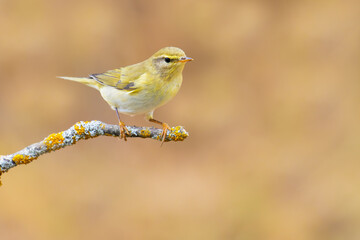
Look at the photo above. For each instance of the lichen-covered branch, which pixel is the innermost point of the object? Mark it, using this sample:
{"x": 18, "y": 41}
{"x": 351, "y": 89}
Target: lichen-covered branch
{"x": 83, "y": 130}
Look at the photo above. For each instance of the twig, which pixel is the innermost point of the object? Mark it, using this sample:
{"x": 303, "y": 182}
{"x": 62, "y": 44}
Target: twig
{"x": 83, "y": 130}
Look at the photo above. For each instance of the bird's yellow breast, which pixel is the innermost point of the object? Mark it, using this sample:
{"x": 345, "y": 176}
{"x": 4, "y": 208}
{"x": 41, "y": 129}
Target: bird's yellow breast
{"x": 154, "y": 93}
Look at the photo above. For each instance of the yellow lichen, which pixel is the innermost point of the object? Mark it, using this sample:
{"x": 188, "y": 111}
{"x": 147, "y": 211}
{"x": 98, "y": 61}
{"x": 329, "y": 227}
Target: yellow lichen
{"x": 22, "y": 159}
{"x": 145, "y": 133}
{"x": 177, "y": 134}
{"x": 80, "y": 130}
{"x": 54, "y": 140}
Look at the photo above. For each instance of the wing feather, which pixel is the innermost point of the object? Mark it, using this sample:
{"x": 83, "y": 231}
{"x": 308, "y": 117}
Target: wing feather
{"x": 125, "y": 79}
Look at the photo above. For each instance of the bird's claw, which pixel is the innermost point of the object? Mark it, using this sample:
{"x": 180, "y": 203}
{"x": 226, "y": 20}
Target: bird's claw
{"x": 164, "y": 132}
{"x": 123, "y": 131}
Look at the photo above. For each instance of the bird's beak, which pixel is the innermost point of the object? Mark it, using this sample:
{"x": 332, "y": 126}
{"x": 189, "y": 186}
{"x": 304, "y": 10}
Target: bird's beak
{"x": 185, "y": 59}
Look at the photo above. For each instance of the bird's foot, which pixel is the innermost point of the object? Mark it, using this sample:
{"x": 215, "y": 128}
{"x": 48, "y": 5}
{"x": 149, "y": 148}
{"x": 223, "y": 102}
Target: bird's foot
{"x": 123, "y": 131}
{"x": 164, "y": 132}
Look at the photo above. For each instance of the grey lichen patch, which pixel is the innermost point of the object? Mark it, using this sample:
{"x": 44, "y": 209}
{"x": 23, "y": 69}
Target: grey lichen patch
{"x": 94, "y": 128}
{"x": 6, "y": 162}
{"x": 87, "y": 129}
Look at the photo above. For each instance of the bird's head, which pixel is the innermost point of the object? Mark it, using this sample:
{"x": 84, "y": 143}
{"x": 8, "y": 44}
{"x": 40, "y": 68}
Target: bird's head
{"x": 169, "y": 61}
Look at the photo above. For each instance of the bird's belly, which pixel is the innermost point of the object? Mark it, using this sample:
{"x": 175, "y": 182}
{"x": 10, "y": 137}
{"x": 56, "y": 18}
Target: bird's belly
{"x": 140, "y": 102}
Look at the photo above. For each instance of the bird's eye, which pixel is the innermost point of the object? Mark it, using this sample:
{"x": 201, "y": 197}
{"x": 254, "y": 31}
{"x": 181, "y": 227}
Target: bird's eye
{"x": 167, "y": 60}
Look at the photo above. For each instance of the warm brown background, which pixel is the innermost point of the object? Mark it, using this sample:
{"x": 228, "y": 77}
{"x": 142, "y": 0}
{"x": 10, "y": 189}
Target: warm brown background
{"x": 271, "y": 103}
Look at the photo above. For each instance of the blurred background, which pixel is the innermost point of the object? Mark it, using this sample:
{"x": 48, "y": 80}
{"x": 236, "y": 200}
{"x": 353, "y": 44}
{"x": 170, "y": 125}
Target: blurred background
{"x": 271, "y": 103}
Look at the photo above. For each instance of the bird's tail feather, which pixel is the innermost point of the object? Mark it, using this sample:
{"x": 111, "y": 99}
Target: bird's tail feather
{"x": 84, "y": 80}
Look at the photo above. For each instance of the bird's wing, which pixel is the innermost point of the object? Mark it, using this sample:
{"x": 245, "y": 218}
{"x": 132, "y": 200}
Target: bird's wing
{"x": 121, "y": 79}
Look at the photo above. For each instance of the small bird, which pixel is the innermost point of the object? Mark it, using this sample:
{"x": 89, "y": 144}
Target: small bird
{"x": 142, "y": 87}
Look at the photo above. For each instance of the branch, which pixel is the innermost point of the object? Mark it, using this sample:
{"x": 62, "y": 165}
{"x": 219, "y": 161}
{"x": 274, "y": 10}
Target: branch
{"x": 83, "y": 130}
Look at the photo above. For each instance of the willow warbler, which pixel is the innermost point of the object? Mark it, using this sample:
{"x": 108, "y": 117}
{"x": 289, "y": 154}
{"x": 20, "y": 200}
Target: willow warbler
{"x": 142, "y": 87}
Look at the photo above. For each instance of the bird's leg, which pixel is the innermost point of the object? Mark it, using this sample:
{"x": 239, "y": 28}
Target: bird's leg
{"x": 165, "y": 127}
{"x": 123, "y": 129}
